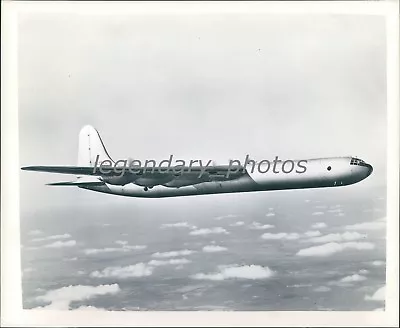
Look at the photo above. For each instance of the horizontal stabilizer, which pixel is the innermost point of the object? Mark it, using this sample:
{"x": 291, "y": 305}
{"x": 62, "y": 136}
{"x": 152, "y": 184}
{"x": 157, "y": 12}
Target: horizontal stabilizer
{"x": 78, "y": 183}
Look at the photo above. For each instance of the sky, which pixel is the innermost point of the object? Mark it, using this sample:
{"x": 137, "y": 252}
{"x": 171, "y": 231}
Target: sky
{"x": 203, "y": 87}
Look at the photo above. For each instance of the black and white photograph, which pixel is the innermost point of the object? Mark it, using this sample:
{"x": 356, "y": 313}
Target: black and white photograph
{"x": 207, "y": 161}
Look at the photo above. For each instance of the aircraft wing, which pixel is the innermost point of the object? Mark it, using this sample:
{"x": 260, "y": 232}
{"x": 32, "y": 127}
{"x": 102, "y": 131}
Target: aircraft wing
{"x": 110, "y": 171}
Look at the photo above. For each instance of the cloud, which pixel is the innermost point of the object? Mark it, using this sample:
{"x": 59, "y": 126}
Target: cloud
{"x": 207, "y": 231}
{"x": 322, "y": 289}
{"x": 280, "y": 235}
{"x": 374, "y": 225}
{"x": 171, "y": 261}
{"x": 378, "y": 263}
{"x": 121, "y": 242}
{"x": 237, "y": 224}
{"x": 124, "y": 248}
{"x": 89, "y": 308}
{"x": 214, "y": 248}
{"x": 259, "y": 226}
{"x": 332, "y": 248}
{"x": 64, "y": 236}
{"x": 318, "y": 213}
{"x": 319, "y": 225}
{"x": 61, "y": 298}
{"x": 173, "y": 253}
{"x": 178, "y": 225}
{"x": 363, "y": 271}
{"x": 59, "y": 244}
{"x": 229, "y": 216}
{"x": 91, "y": 251}
{"x": 35, "y": 232}
{"x": 270, "y": 214}
{"x": 353, "y": 278}
{"x": 379, "y": 295}
{"x": 134, "y": 247}
{"x": 337, "y": 237}
{"x": 313, "y": 233}
{"x": 136, "y": 270}
{"x": 321, "y": 206}
{"x": 236, "y": 272}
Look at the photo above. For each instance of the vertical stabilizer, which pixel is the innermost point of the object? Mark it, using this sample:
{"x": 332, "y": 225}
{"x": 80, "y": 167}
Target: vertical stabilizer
{"x": 91, "y": 145}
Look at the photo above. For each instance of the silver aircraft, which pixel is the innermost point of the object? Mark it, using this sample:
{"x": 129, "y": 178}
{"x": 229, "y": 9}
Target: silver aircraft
{"x": 145, "y": 181}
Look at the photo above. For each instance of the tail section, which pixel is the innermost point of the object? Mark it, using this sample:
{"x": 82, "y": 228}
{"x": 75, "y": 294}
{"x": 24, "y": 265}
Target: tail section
{"x": 91, "y": 146}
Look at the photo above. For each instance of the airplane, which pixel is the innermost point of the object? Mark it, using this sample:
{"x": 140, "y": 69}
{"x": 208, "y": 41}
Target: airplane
{"x": 319, "y": 173}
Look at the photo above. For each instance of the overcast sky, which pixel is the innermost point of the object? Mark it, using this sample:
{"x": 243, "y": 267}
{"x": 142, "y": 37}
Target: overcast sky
{"x": 201, "y": 86}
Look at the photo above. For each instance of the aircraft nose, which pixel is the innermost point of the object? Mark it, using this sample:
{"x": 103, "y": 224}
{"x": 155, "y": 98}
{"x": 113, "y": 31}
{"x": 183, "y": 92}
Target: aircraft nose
{"x": 370, "y": 169}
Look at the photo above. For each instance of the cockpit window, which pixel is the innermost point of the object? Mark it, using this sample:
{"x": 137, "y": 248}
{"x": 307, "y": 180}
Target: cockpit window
{"x": 357, "y": 161}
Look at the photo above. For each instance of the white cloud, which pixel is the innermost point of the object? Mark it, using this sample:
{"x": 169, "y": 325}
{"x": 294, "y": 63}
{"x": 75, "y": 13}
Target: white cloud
{"x": 178, "y": 225}
{"x": 353, "y": 278}
{"x": 64, "y": 236}
{"x": 236, "y": 272}
{"x": 259, "y": 226}
{"x": 124, "y": 248}
{"x": 270, "y": 214}
{"x": 374, "y": 225}
{"x": 171, "y": 261}
{"x": 379, "y": 295}
{"x": 121, "y": 242}
{"x": 129, "y": 247}
{"x": 173, "y": 253}
{"x": 378, "y": 263}
{"x": 319, "y": 225}
{"x": 35, "y": 232}
{"x": 321, "y": 206}
{"x": 207, "y": 231}
{"x": 363, "y": 271}
{"x": 237, "y": 224}
{"x": 229, "y": 216}
{"x": 337, "y": 237}
{"x": 332, "y": 248}
{"x": 312, "y": 233}
{"x": 61, "y": 298}
{"x": 59, "y": 244}
{"x": 91, "y": 251}
{"x": 280, "y": 235}
{"x": 318, "y": 213}
{"x": 322, "y": 289}
{"x": 135, "y": 270}
{"x": 214, "y": 248}
{"x": 89, "y": 308}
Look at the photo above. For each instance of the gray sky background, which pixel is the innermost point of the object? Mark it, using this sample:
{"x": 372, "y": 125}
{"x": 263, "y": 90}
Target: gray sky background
{"x": 199, "y": 87}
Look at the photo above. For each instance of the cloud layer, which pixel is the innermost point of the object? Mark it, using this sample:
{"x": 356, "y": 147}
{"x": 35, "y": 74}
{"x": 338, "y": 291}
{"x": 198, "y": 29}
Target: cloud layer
{"x": 236, "y": 272}
{"x": 135, "y": 270}
{"x": 173, "y": 253}
{"x": 379, "y": 295}
{"x": 280, "y": 236}
{"x": 214, "y": 248}
{"x": 332, "y": 248}
{"x": 208, "y": 231}
{"x": 61, "y": 298}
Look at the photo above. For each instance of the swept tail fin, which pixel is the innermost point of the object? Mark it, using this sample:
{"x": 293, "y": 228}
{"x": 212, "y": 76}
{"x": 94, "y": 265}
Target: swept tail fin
{"x": 91, "y": 146}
